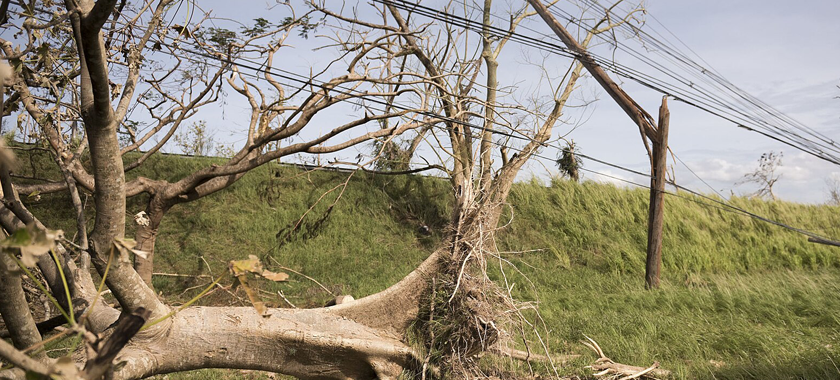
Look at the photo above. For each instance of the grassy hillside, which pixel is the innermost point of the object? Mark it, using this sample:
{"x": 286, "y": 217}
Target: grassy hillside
{"x": 604, "y": 227}
{"x": 740, "y": 298}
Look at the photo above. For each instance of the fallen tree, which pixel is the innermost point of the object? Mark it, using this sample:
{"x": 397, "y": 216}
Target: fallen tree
{"x": 448, "y": 301}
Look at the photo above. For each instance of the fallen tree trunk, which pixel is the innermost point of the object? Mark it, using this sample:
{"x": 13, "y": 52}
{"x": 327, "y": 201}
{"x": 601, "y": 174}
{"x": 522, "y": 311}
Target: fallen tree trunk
{"x": 305, "y": 343}
{"x": 360, "y": 339}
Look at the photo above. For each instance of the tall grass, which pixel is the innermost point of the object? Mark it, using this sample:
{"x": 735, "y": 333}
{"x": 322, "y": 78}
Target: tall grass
{"x": 604, "y": 227}
{"x": 740, "y": 298}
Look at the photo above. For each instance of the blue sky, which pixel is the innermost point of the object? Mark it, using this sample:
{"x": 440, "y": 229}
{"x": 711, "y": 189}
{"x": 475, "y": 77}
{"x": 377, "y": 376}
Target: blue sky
{"x": 785, "y": 53}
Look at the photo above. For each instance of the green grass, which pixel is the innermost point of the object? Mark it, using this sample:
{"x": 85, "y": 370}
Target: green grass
{"x": 740, "y": 298}
{"x": 765, "y": 325}
{"x": 604, "y": 227}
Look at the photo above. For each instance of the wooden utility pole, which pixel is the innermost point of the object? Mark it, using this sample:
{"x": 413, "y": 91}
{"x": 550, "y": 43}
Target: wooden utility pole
{"x": 657, "y": 193}
{"x": 648, "y": 130}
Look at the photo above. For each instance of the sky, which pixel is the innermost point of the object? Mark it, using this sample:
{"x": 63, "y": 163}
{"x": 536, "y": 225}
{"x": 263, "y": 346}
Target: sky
{"x": 785, "y": 53}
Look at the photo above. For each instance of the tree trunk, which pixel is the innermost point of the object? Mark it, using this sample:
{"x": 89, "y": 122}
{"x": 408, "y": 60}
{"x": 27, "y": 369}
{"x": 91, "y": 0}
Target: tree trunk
{"x": 308, "y": 344}
{"x": 363, "y": 339}
{"x": 146, "y": 236}
{"x": 13, "y": 306}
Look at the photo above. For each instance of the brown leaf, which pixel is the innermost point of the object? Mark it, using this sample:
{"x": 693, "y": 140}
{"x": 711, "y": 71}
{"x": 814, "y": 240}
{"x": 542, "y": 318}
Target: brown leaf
{"x": 273, "y": 276}
{"x": 252, "y": 295}
{"x": 126, "y": 245}
{"x": 65, "y": 368}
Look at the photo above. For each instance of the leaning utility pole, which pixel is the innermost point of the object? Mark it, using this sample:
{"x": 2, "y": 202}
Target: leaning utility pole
{"x": 648, "y": 130}
{"x": 657, "y": 194}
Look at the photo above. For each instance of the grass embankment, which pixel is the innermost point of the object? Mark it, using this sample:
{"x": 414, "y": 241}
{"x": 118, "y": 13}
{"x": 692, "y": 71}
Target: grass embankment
{"x": 740, "y": 298}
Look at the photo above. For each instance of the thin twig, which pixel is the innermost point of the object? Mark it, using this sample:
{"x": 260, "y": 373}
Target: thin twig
{"x": 182, "y": 275}
{"x": 20, "y": 360}
{"x": 280, "y": 293}
{"x": 641, "y": 373}
{"x": 302, "y": 275}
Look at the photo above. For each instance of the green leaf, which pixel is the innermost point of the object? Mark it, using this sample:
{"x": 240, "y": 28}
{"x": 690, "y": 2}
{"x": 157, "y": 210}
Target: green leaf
{"x": 252, "y": 265}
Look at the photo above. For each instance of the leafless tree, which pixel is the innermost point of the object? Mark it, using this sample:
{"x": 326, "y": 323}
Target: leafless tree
{"x": 833, "y": 186}
{"x": 765, "y": 176}
{"x": 447, "y": 81}
{"x": 188, "y": 76}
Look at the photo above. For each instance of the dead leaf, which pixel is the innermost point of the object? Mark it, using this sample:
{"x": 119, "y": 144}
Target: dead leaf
{"x": 32, "y": 242}
{"x": 240, "y": 269}
{"x": 252, "y": 295}
{"x": 142, "y": 219}
{"x": 277, "y": 277}
{"x": 126, "y": 245}
{"x": 65, "y": 368}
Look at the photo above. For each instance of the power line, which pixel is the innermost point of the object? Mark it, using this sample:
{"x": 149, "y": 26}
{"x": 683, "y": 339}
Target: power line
{"x": 697, "y": 176}
{"x": 702, "y": 72}
{"x": 725, "y": 205}
{"x": 715, "y": 203}
{"x": 774, "y": 132}
{"x": 541, "y": 44}
{"x": 311, "y": 81}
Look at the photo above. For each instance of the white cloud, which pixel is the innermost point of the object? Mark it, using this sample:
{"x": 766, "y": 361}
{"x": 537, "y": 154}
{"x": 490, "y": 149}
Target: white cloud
{"x": 609, "y": 176}
{"x": 715, "y": 169}
{"x": 802, "y": 176}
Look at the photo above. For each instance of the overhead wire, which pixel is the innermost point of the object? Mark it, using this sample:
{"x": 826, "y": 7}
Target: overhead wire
{"x": 715, "y": 203}
{"x": 624, "y": 71}
{"x": 737, "y": 116}
{"x": 726, "y": 205}
{"x": 702, "y": 72}
{"x": 302, "y": 79}
{"x": 312, "y": 81}
{"x": 541, "y": 44}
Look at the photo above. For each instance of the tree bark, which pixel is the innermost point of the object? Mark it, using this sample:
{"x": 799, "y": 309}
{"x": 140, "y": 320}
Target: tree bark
{"x": 146, "y": 236}
{"x": 362, "y": 339}
{"x": 308, "y": 344}
{"x": 647, "y": 128}
{"x": 400, "y": 302}
{"x": 106, "y": 159}
{"x": 13, "y": 306}
{"x": 492, "y": 64}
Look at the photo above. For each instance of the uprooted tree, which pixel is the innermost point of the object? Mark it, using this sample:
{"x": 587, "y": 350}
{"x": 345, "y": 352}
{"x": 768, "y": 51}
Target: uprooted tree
{"x": 429, "y": 78}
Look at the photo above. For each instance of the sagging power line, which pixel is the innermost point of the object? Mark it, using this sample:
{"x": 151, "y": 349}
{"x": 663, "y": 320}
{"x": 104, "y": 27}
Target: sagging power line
{"x": 826, "y": 149}
{"x": 304, "y": 80}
